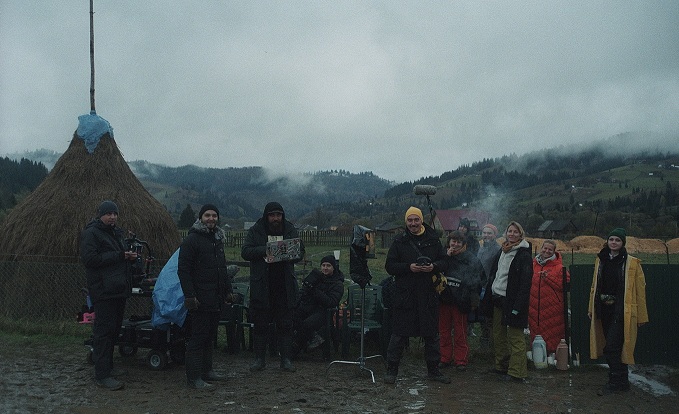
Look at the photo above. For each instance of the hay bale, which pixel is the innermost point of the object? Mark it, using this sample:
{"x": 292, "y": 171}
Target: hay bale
{"x": 586, "y": 244}
{"x": 653, "y": 246}
{"x": 673, "y": 246}
{"x": 48, "y": 221}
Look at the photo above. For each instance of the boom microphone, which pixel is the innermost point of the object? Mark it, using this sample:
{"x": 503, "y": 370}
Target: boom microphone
{"x": 424, "y": 190}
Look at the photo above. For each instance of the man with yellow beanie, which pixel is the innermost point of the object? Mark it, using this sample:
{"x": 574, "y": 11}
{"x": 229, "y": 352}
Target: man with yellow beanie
{"x": 413, "y": 258}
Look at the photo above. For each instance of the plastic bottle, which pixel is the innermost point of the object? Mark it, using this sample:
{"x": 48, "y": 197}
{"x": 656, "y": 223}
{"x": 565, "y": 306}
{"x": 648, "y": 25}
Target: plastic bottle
{"x": 539, "y": 352}
{"x": 562, "y": 355}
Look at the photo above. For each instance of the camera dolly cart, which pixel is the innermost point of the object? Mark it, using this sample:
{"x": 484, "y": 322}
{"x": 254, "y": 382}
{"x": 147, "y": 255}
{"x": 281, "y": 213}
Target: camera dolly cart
{"x": 138, "y": 332}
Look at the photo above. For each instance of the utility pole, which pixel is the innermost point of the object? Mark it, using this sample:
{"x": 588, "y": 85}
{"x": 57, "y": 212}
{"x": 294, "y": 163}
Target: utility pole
{"x": 92, "y": 108}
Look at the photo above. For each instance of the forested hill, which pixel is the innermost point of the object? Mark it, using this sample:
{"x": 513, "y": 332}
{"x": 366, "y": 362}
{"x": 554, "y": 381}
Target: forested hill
{"x": 18, "y": 178}
{"x": 244, "y": 191}
{"x": 514, "y": 172}
{"x": 608, "y": 184}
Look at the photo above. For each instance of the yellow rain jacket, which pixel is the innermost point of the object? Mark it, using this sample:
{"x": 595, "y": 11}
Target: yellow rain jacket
{"x": 634, "y": 310}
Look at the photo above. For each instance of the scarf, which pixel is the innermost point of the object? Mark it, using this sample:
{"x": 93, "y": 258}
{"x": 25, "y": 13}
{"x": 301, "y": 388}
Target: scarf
{"x": 200, "y": 227}
{"x": 507, "y": 245}
{"x": 541, "y": 261}
{"x": 461, "y": 250}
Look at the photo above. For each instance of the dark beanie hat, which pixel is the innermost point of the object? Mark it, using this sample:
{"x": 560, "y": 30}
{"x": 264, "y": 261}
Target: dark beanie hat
{"x": 619, "y": 232}
{"x": 329, "y": 259}
{"x": 107, "y": 207}
{"x": 273, "y": 207}
{"x": 207, "y": 207}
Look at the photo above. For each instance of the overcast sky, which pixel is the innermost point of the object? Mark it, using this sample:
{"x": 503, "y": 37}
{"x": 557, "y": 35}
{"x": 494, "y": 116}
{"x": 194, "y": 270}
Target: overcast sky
{"x": 405, "y": 89}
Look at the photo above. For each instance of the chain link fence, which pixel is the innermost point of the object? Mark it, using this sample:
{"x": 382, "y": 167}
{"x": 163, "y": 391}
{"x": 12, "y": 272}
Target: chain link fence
{"x": 52, "y": 289}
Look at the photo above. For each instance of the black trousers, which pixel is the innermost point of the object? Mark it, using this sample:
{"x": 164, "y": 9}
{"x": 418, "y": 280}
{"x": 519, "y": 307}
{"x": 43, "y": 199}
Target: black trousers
{"x": 612, "y": 321}
{"x": 282, "y": 318}
{"x": 306, "y": 323}
{"x": 398, "y": 343}
{"x": 107, "y": 323}
{"x": 203, "y": 327}
{"x": 202, "y": 331}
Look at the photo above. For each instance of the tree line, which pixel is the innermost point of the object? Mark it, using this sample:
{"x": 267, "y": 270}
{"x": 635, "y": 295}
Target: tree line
{"x": 18, "y": 178}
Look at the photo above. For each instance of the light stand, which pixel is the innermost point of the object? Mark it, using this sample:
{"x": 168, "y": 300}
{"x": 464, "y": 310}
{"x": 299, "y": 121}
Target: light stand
{"x": 358, "y": 268}
{"x": 362, "y": 358}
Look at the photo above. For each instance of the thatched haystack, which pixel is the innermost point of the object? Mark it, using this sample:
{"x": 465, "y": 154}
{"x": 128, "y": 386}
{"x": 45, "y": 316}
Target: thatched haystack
{"x": 49, "y": 220}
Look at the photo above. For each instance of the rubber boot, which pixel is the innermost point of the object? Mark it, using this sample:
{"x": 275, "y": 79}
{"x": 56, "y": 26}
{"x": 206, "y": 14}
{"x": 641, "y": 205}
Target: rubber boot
{"x": 434, "y": 373}
{"x": 286, "y": 354}
{"x": 392, "y": 372}
{"x": 193, "y": 365}
{"x": 208, "y": 373}
{"x": 259, "y": 346}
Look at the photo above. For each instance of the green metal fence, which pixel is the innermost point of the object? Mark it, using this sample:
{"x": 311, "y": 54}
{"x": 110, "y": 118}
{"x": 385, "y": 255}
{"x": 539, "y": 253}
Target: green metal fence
{"x": 657, "y": 341}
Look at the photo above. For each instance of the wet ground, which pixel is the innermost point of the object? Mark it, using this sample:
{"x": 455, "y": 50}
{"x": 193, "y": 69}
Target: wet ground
{"x": 37, "y": 378}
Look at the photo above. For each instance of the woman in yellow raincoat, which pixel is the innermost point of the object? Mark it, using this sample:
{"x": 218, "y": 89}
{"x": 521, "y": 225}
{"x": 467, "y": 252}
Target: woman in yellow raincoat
{"x": 617, "y": 307}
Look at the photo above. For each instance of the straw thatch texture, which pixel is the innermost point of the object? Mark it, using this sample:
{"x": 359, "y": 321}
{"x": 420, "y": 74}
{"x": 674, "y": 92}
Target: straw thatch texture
{"x": 48, "y": 221}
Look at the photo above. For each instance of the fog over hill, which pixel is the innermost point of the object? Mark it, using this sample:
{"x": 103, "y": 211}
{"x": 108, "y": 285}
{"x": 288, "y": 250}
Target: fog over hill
{"x": 560, "y": 182}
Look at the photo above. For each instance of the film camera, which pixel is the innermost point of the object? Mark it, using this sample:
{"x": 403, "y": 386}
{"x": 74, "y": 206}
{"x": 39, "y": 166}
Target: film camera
{"x": 423, "y": 261}
{"x": 141, "y": 278}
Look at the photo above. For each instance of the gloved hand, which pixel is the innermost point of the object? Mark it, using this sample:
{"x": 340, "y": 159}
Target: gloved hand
{"x": 191, "y": 303}
{"x": 313, "y": 279}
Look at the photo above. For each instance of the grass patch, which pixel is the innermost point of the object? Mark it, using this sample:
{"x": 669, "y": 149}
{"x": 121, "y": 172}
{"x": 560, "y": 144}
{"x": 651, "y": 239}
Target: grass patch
{"x": 19, "y": 340}
{"x": 33, "y": 327}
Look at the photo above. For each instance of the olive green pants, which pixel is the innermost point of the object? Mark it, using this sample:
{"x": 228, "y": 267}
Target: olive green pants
{"x": 509, "y": 346}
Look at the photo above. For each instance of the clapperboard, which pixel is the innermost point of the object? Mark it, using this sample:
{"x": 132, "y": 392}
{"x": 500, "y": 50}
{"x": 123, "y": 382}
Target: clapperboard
{"x": 282, "y": 250}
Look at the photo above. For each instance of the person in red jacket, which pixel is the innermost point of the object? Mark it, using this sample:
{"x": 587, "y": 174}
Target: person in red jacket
{"x": 546, "y": 312}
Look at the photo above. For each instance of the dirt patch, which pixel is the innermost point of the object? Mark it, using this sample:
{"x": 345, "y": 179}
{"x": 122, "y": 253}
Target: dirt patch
{"x": 37, "y": 378}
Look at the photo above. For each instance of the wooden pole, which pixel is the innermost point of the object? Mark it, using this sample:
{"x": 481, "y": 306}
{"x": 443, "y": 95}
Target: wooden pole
{"x": 92, "y": 108}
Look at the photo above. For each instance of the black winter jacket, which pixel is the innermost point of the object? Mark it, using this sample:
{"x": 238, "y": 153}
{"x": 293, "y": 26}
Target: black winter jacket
{"x": 519, "y": 280}
{"x": 415, "y": 302}
{"x": 254, "y": 250}
{"x": 327, "y": 293}
{"x": 102, "y": 251}
{"x": 202, "y": 267}
{"x": 467, "y": 268}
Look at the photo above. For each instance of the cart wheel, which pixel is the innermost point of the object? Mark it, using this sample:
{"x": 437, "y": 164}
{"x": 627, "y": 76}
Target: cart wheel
{"x": 89, "y": 357}
{"x": 177, "y": 354}
{"x": 157, "y": 359}
{"x": 127, "y": 350}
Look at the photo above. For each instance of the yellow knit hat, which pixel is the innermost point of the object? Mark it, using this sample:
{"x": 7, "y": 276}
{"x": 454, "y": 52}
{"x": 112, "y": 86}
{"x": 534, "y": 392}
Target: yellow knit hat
{"x": 416, "y": 211}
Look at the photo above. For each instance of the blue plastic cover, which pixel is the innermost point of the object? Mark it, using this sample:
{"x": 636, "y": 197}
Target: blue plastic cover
{"x": 168, "y": 297}
{"x": 91, "y": 127}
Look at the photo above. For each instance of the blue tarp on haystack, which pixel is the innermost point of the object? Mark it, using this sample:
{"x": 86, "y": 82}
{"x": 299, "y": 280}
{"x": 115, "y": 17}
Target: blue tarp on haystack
{"x": 91, "y": 127}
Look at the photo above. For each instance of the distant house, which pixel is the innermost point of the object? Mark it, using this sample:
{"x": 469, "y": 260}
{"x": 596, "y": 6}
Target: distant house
{"x": 389, "y": 228}
{"x": 385, "y": 232}
{"x": 449, "y": 220}
{"x": 556, "y": 229}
